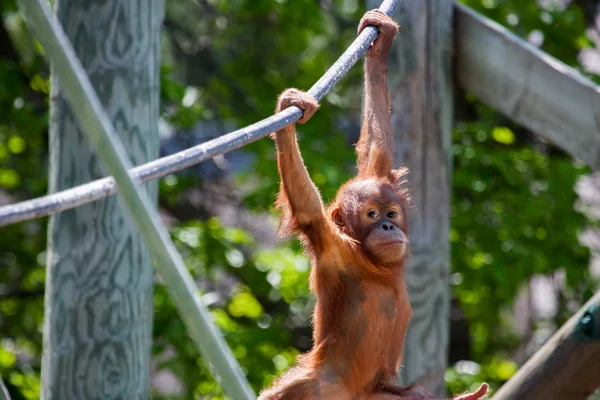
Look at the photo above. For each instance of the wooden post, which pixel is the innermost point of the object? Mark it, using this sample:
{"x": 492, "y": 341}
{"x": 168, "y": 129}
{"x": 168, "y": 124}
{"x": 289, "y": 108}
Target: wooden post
{"x": 567, "y": 366}
{"x": 420, "y": 78}
{"x": 98, "y": 306}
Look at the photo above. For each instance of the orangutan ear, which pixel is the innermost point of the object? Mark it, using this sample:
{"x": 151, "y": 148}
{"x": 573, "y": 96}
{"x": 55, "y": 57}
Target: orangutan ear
{"x": 397, "y": 177}
{"x": 336, "y": 216}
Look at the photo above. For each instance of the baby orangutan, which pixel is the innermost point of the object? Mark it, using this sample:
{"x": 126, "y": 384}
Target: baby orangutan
{"x": 358, "y": 247}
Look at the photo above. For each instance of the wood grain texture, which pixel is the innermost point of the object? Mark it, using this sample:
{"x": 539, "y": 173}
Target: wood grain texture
{"x": 567, "y": 366}
{"x": 98, "y": 306}
{"x": 527, "y": 85}
{"x": 420, "y": 82}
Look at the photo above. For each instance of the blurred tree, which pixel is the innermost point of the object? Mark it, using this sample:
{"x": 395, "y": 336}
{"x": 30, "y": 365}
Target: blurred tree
{"x": 98, "y": 318}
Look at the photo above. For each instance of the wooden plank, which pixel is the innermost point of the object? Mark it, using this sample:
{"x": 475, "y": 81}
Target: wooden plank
{"x": 421, "y": 86}
{"x": 99, "y": 280}
{"x": 567, "y": 366}
{"x": 527, "y": 85}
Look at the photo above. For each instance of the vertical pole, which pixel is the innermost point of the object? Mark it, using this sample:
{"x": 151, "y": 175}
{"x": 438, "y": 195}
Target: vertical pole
{"x": 420, "y": 79}
{"x": 98, "y": 306}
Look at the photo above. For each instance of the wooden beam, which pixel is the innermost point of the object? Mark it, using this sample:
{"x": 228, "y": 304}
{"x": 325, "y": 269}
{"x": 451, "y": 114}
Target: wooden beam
{"x": 421, "y": 86}
{"x": 99, "y": 271}
{"x": 527, "y": 85}
{"x": 567, "y": 366}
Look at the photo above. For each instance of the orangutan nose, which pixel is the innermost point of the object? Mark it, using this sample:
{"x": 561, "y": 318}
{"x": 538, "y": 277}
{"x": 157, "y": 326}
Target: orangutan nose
{"x": 387, "y": 226}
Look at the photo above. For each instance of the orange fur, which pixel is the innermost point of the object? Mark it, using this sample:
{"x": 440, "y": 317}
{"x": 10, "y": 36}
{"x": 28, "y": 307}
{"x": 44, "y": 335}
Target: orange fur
{"x": 358, "y": 248}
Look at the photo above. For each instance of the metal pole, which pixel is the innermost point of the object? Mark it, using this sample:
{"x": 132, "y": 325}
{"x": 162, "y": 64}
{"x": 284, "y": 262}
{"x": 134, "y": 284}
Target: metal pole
{"x": 98, "y": 189}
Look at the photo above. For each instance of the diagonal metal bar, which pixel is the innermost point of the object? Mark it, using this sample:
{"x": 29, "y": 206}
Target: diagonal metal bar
{"x": 92, "y": 118}
{"x": 88, "y": 110}
{"x": 164, "y": 166}
{"x": 3, "y": 391}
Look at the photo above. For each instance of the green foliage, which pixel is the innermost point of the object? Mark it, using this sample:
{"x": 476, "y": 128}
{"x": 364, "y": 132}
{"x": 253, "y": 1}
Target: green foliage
{"x": 254, "y": 311}
{"x": 23, "y": 174}
{"x": 513, "y": 203}
{"x": 512, "y": 218}
{"x": 467, "y": 375}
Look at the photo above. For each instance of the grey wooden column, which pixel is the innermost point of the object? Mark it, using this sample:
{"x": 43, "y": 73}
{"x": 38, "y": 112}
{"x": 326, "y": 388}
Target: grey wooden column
{"x": 420, "y": 80}
{"x": 98, "y": 305}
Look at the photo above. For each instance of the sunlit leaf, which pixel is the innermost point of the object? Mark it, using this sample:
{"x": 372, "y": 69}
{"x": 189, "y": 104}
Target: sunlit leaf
{"x": 503, "y": 135}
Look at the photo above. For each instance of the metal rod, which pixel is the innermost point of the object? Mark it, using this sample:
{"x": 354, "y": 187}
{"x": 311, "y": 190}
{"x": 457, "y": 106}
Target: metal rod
{"x": 98, "y": 189}
{"x": 3, "y": 391}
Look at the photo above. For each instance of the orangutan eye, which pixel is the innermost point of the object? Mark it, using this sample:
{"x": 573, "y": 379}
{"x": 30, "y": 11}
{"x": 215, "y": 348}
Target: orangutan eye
{"x": 373, "y": 214}
{"x": 392, "y": 214}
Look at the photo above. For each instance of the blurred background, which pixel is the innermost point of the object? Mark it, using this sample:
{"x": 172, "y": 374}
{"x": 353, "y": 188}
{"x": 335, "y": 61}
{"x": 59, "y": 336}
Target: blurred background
{"x": 524, "y": 238}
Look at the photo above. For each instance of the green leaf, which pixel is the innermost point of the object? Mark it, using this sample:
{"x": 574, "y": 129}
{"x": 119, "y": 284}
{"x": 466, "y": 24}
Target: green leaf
{"x": 504, "y": 135}
{"x": 16, "y": 144}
